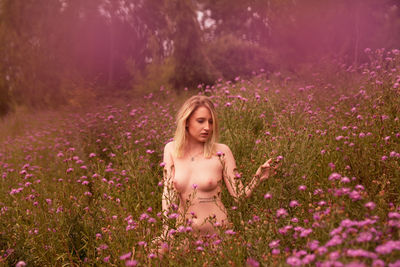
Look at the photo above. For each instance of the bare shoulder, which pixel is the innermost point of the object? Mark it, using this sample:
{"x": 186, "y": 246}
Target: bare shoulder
{"x": 169, "y": 146}
{"x": 168, "y": 152}
{"x": 222, "y": 148}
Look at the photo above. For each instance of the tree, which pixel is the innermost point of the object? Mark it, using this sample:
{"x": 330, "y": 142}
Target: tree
{"x": 192, "y": 65}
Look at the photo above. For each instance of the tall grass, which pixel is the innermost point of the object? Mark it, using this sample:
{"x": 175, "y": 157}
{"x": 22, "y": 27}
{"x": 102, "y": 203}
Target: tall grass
{"x": 86, "y": 190}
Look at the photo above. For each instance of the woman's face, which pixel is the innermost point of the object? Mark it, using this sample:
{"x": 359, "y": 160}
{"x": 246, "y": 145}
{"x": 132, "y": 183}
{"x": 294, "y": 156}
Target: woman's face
{"x": 200, "y": 124}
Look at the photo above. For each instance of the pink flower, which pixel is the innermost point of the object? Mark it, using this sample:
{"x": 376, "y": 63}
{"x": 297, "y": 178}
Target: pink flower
{"x": 267, "y": 196}
{"x": 274, "y": 244}
{"x": 293, "y": 261}
{"x": 331, "y": 165}
{"x": 334, "y": 176}
{"x": 131, "y": 263}
{"x": 142, "y": 243}
{"x": 125, "y": 256}
{"x": 281, "y": 213}
{"x": 252, "y": 262}
{"x": 302, "y": 188}
{"x": 230, "y": 232}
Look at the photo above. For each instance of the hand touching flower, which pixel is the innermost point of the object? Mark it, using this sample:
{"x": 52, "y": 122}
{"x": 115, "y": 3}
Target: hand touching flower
{"x": 267, "y": 169}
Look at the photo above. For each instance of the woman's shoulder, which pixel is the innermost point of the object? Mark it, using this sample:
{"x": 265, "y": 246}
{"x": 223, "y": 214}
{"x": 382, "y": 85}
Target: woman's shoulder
{"x": 219, "y": 147}
{"x": 169, "y": 146}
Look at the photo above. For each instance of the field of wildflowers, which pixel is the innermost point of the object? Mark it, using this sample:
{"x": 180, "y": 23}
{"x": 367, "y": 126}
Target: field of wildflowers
{"x": 84, "y": 187}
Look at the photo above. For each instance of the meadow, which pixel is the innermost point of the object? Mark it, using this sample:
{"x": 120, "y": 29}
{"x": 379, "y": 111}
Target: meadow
{"x": 83, "y": 187}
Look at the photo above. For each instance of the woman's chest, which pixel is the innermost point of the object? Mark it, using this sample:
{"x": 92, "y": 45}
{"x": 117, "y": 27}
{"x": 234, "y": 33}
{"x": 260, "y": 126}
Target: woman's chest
{"x": 202, "y": 174}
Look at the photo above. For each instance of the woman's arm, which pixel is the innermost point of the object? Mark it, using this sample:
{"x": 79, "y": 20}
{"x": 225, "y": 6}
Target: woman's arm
{"x": 169, "y": 196}
{"x": 231, "y": 176}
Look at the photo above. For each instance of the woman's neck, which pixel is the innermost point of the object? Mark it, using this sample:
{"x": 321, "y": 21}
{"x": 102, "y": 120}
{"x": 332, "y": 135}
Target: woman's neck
{"x": 193, "y": 146}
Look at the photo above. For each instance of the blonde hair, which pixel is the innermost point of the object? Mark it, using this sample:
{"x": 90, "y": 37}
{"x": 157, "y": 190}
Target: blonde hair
{"x": 187, "y": 109}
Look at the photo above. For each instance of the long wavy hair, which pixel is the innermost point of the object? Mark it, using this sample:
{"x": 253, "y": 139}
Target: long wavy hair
{"x": 181, "y": 133}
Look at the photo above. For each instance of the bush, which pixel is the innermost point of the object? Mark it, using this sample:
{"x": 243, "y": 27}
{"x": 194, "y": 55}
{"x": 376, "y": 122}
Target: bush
{"x": 234, "y": 57}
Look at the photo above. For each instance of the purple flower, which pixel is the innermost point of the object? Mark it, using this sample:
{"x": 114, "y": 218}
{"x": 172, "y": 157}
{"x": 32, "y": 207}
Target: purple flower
{"x": 355, "y": 264}
{"x": 172, "y": 232}
{"x": 334, "y": 241}
{"x": 142, "y": 243}
{"x": 331, "y": 165}
{"x": 252, "y": 262}
{"x": 274, "y": 243}
{"x": 394, "y": 215}
{"x": 230, "y": 232}
{"x": 200, "y": 248}
{"x": 313, "y": 245}
{"x": 267, "y": 196}
{"x": 387, "y": 247}
{"x": 281, "y": 213}
{"x": 305, "y": 232}
{"x": 293, "y": 261}
{"x": 370, "y": 205}
{"x": 173, "y": 216}
{"x": 125, "y": 256}
{"x": 302, "y": 188}
{"x": 355, "y": 195}
{"x": 143, "y": 216}
{"x": 131, "y": 263}
{"x": 308, "y": 259}
{"x": 322, "y": 250}
{"x": 395, "y": 264}
{"x": 364, "y": 237}
{"x": 361, "y": 253}
{"x": 334, "y": 255}
{"x": 276, "y": 251}
{"x": 359, "y": 187}
{"x": 345, "y": 180}
{"x": 334, "y": 176}
{"x": 293, "y": 203}
{"x": 378, "y": 263}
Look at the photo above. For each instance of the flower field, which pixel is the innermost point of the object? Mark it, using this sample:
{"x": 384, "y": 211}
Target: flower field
{"x": 83, "y": 188}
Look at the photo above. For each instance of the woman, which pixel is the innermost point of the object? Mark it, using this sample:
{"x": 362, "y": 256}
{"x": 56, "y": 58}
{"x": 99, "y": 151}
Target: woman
{"x": 195, "y": 167}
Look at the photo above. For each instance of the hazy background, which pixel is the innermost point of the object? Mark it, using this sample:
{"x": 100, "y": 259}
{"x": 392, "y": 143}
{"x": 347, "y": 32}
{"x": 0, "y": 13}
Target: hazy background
{"x": 56, "y": 52}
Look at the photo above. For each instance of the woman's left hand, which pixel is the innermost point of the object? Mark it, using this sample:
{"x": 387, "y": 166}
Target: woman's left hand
{"x": 265, "y": 170}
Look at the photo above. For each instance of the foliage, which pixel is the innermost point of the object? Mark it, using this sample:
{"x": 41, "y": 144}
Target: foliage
{"x": 234, "y": 57}
{"x": 156, "y": 75}
{"x": 97, "y": 42}
{"x": 192, "y": 65}
{"x": 84, "y": 188}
